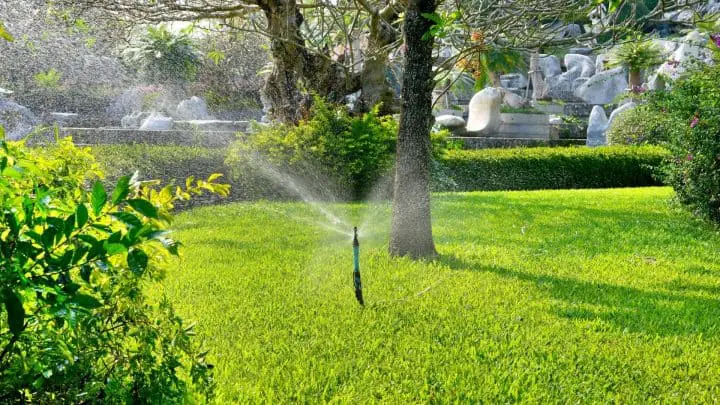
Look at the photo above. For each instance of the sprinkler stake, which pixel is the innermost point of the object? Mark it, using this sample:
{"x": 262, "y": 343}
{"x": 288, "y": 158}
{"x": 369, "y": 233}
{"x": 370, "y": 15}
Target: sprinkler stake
{"x": 356, "y": 271}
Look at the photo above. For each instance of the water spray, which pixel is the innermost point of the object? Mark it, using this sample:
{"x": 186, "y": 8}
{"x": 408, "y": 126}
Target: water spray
{"x": 356, "y": 271}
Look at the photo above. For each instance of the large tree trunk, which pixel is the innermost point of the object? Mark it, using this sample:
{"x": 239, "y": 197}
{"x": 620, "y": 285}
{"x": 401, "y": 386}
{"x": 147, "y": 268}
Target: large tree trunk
{"x": 411, "y": 233}
{"x": 297, "y": 70}
{"x": 281, "y": 89}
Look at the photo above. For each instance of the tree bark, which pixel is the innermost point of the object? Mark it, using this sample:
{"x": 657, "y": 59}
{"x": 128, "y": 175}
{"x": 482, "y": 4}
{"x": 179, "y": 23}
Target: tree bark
{"x": 411, "y": 233}
{"x": 281, "y": 87}
{"x": 635, "y": 78}
{"x": 297, "y": 71}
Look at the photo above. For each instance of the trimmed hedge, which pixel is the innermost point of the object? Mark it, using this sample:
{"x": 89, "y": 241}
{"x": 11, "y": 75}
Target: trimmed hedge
{"x": 552, "y": 168}
{"x": 458, "y": 170}
{"x": 173, "y": 164}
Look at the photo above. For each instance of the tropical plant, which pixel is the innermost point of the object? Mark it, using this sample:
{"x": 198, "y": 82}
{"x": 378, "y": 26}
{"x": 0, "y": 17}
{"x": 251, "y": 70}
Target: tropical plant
{"x": 637, "y": 55}
{"x": 164, "y": 56}
{"x": 75, "y": 262}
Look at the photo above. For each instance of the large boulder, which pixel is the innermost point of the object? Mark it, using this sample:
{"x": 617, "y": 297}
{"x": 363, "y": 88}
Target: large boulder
{"x": 563, "y": 85}
{"x": 578, "y": 66}
{"x": 17, "y": 120}
{"x": 572, "y": 31}
{"x": 581, "y": 50}
{"x": 559, "y": 87}
{"x": 511, "y": 99}
{"x": 134, "y": 120}
{"x": 603, "y": 87}
{"x": 691, "y": 48}
{"x": 550, "y": 66}
{"x": 597, "y": 124}
{"x": 514, "y": 81}
{"x": 450, "y": 121}
{"x": 484, "y": 111}
{"x": 601, "y": 62}
{"x": 127, "y": 103}
{"x": 157, "y": 123}
{"x": 194, "y": 108}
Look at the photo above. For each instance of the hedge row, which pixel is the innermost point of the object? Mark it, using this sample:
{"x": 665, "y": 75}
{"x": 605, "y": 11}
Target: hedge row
{"x": 461, "y": 170}
{"x": 173, "y": 164}
{"x": 553, "y": 168}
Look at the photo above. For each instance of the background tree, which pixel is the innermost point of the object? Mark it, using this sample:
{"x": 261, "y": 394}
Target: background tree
{"x": 514, "y": 25}
{"x": 411, "y": 232}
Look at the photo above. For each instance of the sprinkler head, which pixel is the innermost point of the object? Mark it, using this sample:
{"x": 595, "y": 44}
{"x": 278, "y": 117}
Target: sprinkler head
{"x": 355, "y": 238}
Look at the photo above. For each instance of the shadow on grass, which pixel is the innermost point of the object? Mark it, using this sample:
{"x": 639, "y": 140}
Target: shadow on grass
{"x": 626, "y": 308}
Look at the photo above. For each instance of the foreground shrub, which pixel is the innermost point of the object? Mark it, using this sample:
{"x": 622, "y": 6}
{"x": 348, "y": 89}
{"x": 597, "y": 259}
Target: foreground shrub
{"x": 552, "y": 168}
{"x": 694, "y": 170}
{"x": 332, "y": 147}
{"x": 76, "y": 324}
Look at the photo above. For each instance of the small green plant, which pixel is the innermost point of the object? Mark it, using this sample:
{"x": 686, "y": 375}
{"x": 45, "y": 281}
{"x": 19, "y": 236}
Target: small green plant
{"x": 76, "y": 325}
{"x": 351, "y": 152}
{"x": 164, "y": 56}
{"x": 48, "y": 80}
{"x": 637, "y": 55}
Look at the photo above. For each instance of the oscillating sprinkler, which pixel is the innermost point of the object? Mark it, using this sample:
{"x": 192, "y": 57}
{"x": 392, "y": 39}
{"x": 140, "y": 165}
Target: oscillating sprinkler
{"x": 356, "y": 271}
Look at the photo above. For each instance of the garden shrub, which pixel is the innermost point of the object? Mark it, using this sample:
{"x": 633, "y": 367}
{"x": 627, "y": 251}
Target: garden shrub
{"x": 330, "y": 148}
{"x": 75, "y": 323}
{"x": 552, "y": 168}
{"x": 173, "y": 164}
{"x": 642, "y": 125}
{"x": 694, "y": 169}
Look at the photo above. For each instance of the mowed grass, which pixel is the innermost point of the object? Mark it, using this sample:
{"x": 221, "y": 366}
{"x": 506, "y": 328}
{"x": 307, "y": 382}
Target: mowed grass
{"x": 546, "y": 296}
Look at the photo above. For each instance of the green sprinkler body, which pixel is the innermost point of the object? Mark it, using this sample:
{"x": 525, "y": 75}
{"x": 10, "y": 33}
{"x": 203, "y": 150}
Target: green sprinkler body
{"x": 356, "y": 271}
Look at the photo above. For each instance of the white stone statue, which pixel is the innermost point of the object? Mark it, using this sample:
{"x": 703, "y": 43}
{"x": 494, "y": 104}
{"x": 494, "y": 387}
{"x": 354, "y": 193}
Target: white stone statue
{"x": 484, "y": 111}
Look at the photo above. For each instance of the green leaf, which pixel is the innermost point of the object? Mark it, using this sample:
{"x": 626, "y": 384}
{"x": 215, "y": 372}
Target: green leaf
{"x": 85, "y": 272}
{"x": 86, "y": 301}
{"x": 144, "y": 207}
{"x": 112, "y": 249}
{"x": 81, "y": 215}
{"x": 137, "y": 261}
{"x": 15, "y": 310}
{"x": 127, "y": 218}
{"x": 69, "y": 225}
{"x": 122, "y": 189}
{"x": 434, "y": 17}
{"x": 4, "y": 34}
{"x": 99, "y": 197}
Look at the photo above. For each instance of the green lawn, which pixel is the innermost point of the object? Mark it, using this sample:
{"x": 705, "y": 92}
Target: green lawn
{"x": 551, "y": 296}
